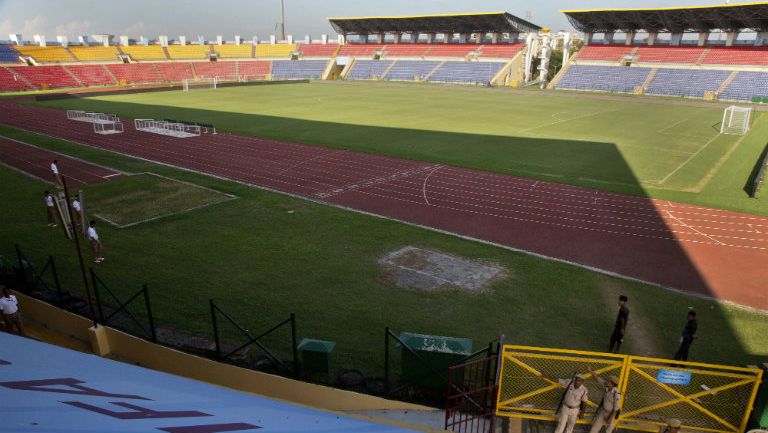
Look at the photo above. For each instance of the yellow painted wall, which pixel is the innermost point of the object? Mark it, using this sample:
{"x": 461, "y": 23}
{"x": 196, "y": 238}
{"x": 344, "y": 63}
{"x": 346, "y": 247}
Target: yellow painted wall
{"x": 131, "y": 349}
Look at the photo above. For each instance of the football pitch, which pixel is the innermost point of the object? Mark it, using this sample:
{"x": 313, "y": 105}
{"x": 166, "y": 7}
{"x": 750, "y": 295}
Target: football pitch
{"x": 654, "y": 148}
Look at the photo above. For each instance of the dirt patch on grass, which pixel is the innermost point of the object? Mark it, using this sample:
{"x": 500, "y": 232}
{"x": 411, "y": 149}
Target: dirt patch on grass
{"x": 416, "y": 268}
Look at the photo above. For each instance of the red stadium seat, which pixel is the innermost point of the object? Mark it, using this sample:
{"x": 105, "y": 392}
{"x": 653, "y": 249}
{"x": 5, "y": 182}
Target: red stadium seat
{"x": 92, "y": 75}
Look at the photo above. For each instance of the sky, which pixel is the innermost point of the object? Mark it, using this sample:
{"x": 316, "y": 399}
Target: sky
{"x": 249, "y": 18}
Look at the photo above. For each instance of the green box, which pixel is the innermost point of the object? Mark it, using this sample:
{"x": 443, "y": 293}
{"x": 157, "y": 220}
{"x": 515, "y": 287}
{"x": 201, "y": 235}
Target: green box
{"x": 437, "y": 352}
{"x": 316, "y": 355}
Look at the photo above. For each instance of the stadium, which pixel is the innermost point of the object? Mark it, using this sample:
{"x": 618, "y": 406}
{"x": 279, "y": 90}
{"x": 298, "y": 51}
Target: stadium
{"x": 412, "y": 223}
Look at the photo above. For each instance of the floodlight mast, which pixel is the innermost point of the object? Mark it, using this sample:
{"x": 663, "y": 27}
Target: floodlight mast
{"x": 282, "y": 20}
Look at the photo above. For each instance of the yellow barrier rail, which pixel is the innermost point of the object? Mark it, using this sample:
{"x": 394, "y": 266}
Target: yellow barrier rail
{"x": 705, "y": 397}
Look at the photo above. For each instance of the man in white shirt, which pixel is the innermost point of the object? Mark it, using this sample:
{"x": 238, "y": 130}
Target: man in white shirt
{"x": 9, "y": 306}
{"x": 93, "y": 238}
{"x": 78, "y": 213}
{"x": 50, "y": 209}
{"x": 56, "y": 175}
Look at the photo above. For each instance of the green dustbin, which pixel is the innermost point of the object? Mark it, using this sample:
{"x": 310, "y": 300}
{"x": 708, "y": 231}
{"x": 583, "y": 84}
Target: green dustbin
{"x": 437, "y": 352}
{"x": 316, "y": 355}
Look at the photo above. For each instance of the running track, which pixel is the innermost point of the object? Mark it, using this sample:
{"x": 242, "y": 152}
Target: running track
{"x": 706, "y": 251}
{"x": 37, "y": 163}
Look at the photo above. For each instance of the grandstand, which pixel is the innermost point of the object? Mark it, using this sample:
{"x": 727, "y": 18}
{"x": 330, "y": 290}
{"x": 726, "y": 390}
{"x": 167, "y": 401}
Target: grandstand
{"x": 144, "y": 52}
{"x": 95, "y": 53}
{"x": 230, "y": 51}
{"x": 670, "y": 65}
{"x": 45, "y": 54}
{"x": 189, "y": 51}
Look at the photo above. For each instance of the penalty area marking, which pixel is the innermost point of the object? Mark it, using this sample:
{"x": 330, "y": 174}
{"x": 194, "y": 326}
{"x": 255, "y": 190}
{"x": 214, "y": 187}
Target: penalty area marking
{"x": 565, "y": 120}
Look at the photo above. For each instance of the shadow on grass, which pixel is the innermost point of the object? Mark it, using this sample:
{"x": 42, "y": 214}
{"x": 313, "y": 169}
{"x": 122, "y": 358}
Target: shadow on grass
{"x": 666, "y": 262}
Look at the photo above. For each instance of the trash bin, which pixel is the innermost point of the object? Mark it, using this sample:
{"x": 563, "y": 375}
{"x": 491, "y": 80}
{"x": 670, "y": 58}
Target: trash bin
{"x": 24, "y": 274}
{"x": 437, "y": 353}
{"x": 316, "y": 355}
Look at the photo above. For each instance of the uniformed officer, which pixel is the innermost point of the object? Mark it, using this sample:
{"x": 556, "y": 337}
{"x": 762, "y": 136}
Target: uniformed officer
{"x": 573, "y": 403}
{"x": 609, "y": 405}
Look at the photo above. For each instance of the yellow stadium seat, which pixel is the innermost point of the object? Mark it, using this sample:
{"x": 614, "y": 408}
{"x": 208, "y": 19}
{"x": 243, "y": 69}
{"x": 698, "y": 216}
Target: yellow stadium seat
{"x": 234, "y": 51}
{"x": 189, "y": 51}
{"x": 148, "y": 52}
{"x": 277, "y": 50}
{"x": 94, "y": 53}
{"x": 45, "y": 54}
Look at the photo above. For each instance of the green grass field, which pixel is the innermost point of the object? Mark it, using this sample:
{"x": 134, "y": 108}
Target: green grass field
{"x": 266, "y": 255}
{"x": 629, "y": 145}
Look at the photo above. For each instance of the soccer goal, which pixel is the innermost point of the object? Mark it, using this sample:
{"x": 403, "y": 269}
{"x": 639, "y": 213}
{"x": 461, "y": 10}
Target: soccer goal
{"x": 200, "y": 83}
{"x": 736, "y": 120}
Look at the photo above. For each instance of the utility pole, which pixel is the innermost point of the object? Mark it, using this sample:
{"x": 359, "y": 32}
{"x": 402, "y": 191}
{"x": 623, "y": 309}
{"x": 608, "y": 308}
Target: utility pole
{"x": 282, "y": 20}
{"x": 76, "y": 237}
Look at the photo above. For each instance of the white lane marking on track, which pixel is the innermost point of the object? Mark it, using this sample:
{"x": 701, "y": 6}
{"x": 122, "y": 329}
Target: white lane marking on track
{"x": 701, "y": 233}
{"x": 111, "y": 175}
{"x": 424, "y": 185}
{"x": 313, "y": 159}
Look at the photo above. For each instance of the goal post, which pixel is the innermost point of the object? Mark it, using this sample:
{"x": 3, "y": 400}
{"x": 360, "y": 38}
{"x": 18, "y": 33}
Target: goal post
{"x": 199, "y": 83}
{"x": 736, "y": 120}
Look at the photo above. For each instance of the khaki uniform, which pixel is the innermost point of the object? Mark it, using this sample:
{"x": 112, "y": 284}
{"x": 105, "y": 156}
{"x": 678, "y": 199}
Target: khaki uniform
{"x": 569, "y": 411}
{"x": 610, "y": 403}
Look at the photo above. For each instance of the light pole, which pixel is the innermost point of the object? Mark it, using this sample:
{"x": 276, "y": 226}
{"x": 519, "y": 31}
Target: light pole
{"x": 282, "y": 20}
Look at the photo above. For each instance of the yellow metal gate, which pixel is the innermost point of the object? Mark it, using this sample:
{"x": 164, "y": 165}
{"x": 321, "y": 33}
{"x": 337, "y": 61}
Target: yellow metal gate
{"x": 705, "y": 397}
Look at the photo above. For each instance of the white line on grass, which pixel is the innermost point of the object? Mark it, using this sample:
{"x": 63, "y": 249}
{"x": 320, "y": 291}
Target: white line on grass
{"x": 666, "y": 178}
{"x": 422, "y": 226}
{"x": 566, "y": 120}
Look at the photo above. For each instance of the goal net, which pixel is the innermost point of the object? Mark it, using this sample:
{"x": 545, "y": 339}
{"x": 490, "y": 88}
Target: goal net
{"x": 200, "y": 83}
{"x": 736, "y": 120}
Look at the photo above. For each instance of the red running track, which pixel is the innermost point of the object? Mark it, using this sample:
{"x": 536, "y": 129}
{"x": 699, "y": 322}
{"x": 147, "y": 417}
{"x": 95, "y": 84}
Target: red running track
{"x": 710, "y": 252}
{"x": 37, "y": 162}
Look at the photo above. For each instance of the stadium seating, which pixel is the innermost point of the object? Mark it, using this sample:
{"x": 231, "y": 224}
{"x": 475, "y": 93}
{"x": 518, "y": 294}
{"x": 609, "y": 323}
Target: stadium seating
{"x": 297, "y": 69}
{"x": 196, "y": 52}
{"x": 450, "y": 50}
{"x": 45, "y": 54}
{"x": 175, "y": 72}
{"x": 501, "y": 50}
{"x": 669, "y": 54}
{"x": 94, "y": 53}
{"x": 360, "y": 49}
{"x": 368, "y": 69}
{"x": 410, "y": 70}
{"x": 317, "y": 50}
{"x": 737, "y": 56}
{"x": 686, "y": 82}
{"x": 608, "y": 53}
{"x": 603, "y": 78}
{"x": 254, "y": 69}
{"x": 92, "y": 75}
{"x": 230, "y": 51}
{"x": 144, "y": 52}
{"x": 11, "y": 81}
{"x": 8, "y": 54}
{"x": 407, "y": 50}
{"x": 746, "y": 85}
{"x": 466, "y": 72}
{"x": 215, "y": 69}
{"x": 276, "y": 50}
{"x": 135, "y": 73}
{"x": 48, "y": 77}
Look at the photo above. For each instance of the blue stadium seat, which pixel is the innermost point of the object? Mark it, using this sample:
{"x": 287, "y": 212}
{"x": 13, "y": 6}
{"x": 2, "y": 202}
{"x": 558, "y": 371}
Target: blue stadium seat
{"x": 367, "y": 69}
{"x": 467, "y": 72}
{"x": 603, "y": 78}
{"x": 298, "y": 69}
{"x": 686, "y": 82}
{"x": 8, "y": 54}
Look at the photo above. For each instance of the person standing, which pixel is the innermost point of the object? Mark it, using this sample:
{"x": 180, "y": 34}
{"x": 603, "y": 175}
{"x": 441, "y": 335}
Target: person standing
{"x": 689, "y": 334}
{"x": 56, "y": 174}
{"x": 573, "y": 402}
{"x": 620, "y": 326}
{"x": 93, "y": 238}
{"x": 77, "y": 216}
{"x": 50, "y": 208}
{"x": 9, "y": 306}
{"x": 609, "y": 406}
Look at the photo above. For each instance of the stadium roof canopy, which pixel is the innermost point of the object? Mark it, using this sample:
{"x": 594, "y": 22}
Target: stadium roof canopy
{"x": 484, "y": 22}
{"x": 729, "y": 17}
